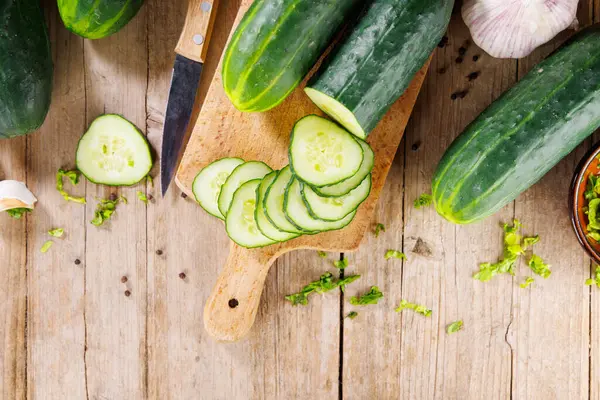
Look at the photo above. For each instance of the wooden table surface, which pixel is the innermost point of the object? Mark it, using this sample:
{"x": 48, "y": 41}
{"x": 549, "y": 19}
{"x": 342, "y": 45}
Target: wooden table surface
{"x": 67, "y": 331}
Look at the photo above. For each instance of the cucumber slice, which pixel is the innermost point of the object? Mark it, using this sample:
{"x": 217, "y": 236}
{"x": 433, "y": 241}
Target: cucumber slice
{"x": 241, "y": 174}
{"x": 263, "y": 223}
{"x": 297, "y": 211}
{"x": 273, "y": 203}
{"x": 240, "y": 223}
{"x": 208, "y": 183}
{"x": 335, "y": 208}
{"x": 322, "y": 153}
{"x": 113, "y": 152}
{"x": 336, "y": 110}
{"x": 348, "y": 185}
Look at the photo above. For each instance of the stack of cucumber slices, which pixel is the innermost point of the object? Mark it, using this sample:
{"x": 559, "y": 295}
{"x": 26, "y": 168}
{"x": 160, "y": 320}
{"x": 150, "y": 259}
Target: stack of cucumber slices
{"x": 328, "y": 178}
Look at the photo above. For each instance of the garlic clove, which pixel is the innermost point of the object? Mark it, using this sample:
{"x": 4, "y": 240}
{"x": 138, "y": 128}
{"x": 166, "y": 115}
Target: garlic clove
{"x": 514, "y": 28}
{"x": 14, "y": 194}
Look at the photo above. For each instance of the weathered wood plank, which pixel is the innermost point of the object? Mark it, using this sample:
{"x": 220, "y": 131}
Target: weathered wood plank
{"x": 183, "y": 360}
{"x": 594, "y": 352}
{"x": 408, "y": 355}
{"x": 550, "y": 329}
{"x": 13, "y": 288}
{"x": 56, "y": 319}
{"x": 116, "y": 361}
{"x": 182, "y": 238}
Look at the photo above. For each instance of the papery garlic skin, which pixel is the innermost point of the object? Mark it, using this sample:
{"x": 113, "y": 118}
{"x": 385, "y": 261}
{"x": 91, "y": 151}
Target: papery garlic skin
{"x": 14, "y": 194}
{"x": 514, "y": 28}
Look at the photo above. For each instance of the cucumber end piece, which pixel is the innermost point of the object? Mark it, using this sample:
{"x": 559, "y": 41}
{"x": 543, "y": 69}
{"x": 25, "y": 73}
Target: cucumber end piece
{"x": 337, "y": 111}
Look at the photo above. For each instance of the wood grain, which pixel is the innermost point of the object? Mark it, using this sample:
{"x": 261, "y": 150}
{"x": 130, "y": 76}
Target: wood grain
{"x": 516, "y": 343}
{"x": 541, "y": 321}
{"x": 197, "y": 29}
{"x": 56, "y": 286}
{"x": 13, "y": 288}
{"x": 182, "y": 358}
{"x": 420, "y": 360}
{"x": 116, "y": 78}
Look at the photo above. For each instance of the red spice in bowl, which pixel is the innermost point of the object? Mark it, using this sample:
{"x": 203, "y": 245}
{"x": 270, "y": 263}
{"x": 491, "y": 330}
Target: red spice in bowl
{"x": 578, "y": 203}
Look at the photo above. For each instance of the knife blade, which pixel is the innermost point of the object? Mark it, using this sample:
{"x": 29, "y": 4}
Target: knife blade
{"x": 182, "y": 96}
{"x": 187, "y": 71}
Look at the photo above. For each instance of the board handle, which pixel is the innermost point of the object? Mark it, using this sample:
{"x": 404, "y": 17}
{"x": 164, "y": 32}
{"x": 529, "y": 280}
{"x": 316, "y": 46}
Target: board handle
{"x": 197, "y": 29}
{"x": 232, "y": 306}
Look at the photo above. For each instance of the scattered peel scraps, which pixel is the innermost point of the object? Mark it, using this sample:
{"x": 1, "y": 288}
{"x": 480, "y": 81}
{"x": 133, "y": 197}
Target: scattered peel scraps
{"x": 454, "y": 327}
{"x": 352, "y": 315}
{"x": 46, "y": 246}
{"x": 58, "y": 232}
{"x": 378, "y": 229}
{"x": 596, "y": 279}
{"x": 371, "y": 297}
{"x": 528, "y": 281}
{"x": 415, "y": 307}
{"x": 395, "y": 254}
{"x": 105, "y": 209}
{"x": 341, "y": 264}
{"x": 424, "y": 200}
{"x": 325, "y": 284}
{"x": 515, "y": 246}
{"x": 73, "y": 176}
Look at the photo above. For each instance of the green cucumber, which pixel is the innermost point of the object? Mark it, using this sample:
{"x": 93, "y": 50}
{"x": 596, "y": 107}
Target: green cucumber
{"x": 273, "y": 203}
{"x": 345, "y": 187}
{"x": 25, "y": 68}
{"x": 263, "y": 223}
{"x": 240, "y": 223}
{"x": 275, "y": 46}
{"x": 372, "y": 67}
{"x": 296, "y": 210}
{"x": 207, "y": 184}
{"x": 96, "y": 19}
{"x": 523, "y": 134}
{"x": 113, "y": 152}
{"x": 335, "y": 208}
{"x": 241, "y": 174}
{"x": 322, "y": 153}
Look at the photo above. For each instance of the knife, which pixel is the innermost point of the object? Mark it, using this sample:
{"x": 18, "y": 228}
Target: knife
{"x": 189, "y": 60}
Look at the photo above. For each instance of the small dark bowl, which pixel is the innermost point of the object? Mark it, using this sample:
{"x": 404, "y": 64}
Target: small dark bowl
{"x": 577, "y": 202}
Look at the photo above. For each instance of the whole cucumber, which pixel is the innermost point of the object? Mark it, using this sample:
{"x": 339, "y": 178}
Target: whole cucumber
{"x": 523, "y": 134}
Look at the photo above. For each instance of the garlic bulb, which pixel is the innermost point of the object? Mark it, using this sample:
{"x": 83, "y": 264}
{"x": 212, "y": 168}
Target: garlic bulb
{"x": 514, "y": 28}
{"x": 14, "y": 194}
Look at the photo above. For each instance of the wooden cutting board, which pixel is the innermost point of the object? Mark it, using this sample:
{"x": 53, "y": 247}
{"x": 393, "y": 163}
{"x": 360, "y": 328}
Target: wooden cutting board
{"x": 223, "y": 131}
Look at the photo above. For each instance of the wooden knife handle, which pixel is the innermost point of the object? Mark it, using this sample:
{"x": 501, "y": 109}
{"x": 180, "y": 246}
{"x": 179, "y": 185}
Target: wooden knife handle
{"x": 232, "y": 306}
{"x": 193, "y": 42}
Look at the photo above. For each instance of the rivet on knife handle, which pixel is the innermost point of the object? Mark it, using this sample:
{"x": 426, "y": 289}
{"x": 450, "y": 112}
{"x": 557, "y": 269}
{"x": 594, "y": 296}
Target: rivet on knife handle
{"x": 193, "y": 42}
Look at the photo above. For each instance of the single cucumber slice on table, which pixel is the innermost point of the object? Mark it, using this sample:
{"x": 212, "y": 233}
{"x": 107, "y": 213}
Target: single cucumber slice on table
{"x": 345, "y": 187}
{"x": 323, "y": 153}
{"x": 375, "y": 63}
{"x": 297, "y": 211}
{"x": 263, "y": 223}
{"x": 208, "y": 183}
{"x": 113, "y": 152}
{"x": 335, "y": 208}
{"x": 273, "y": 203}
{"x": 241, "y": 174}
{"x": 240, "y": 223}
